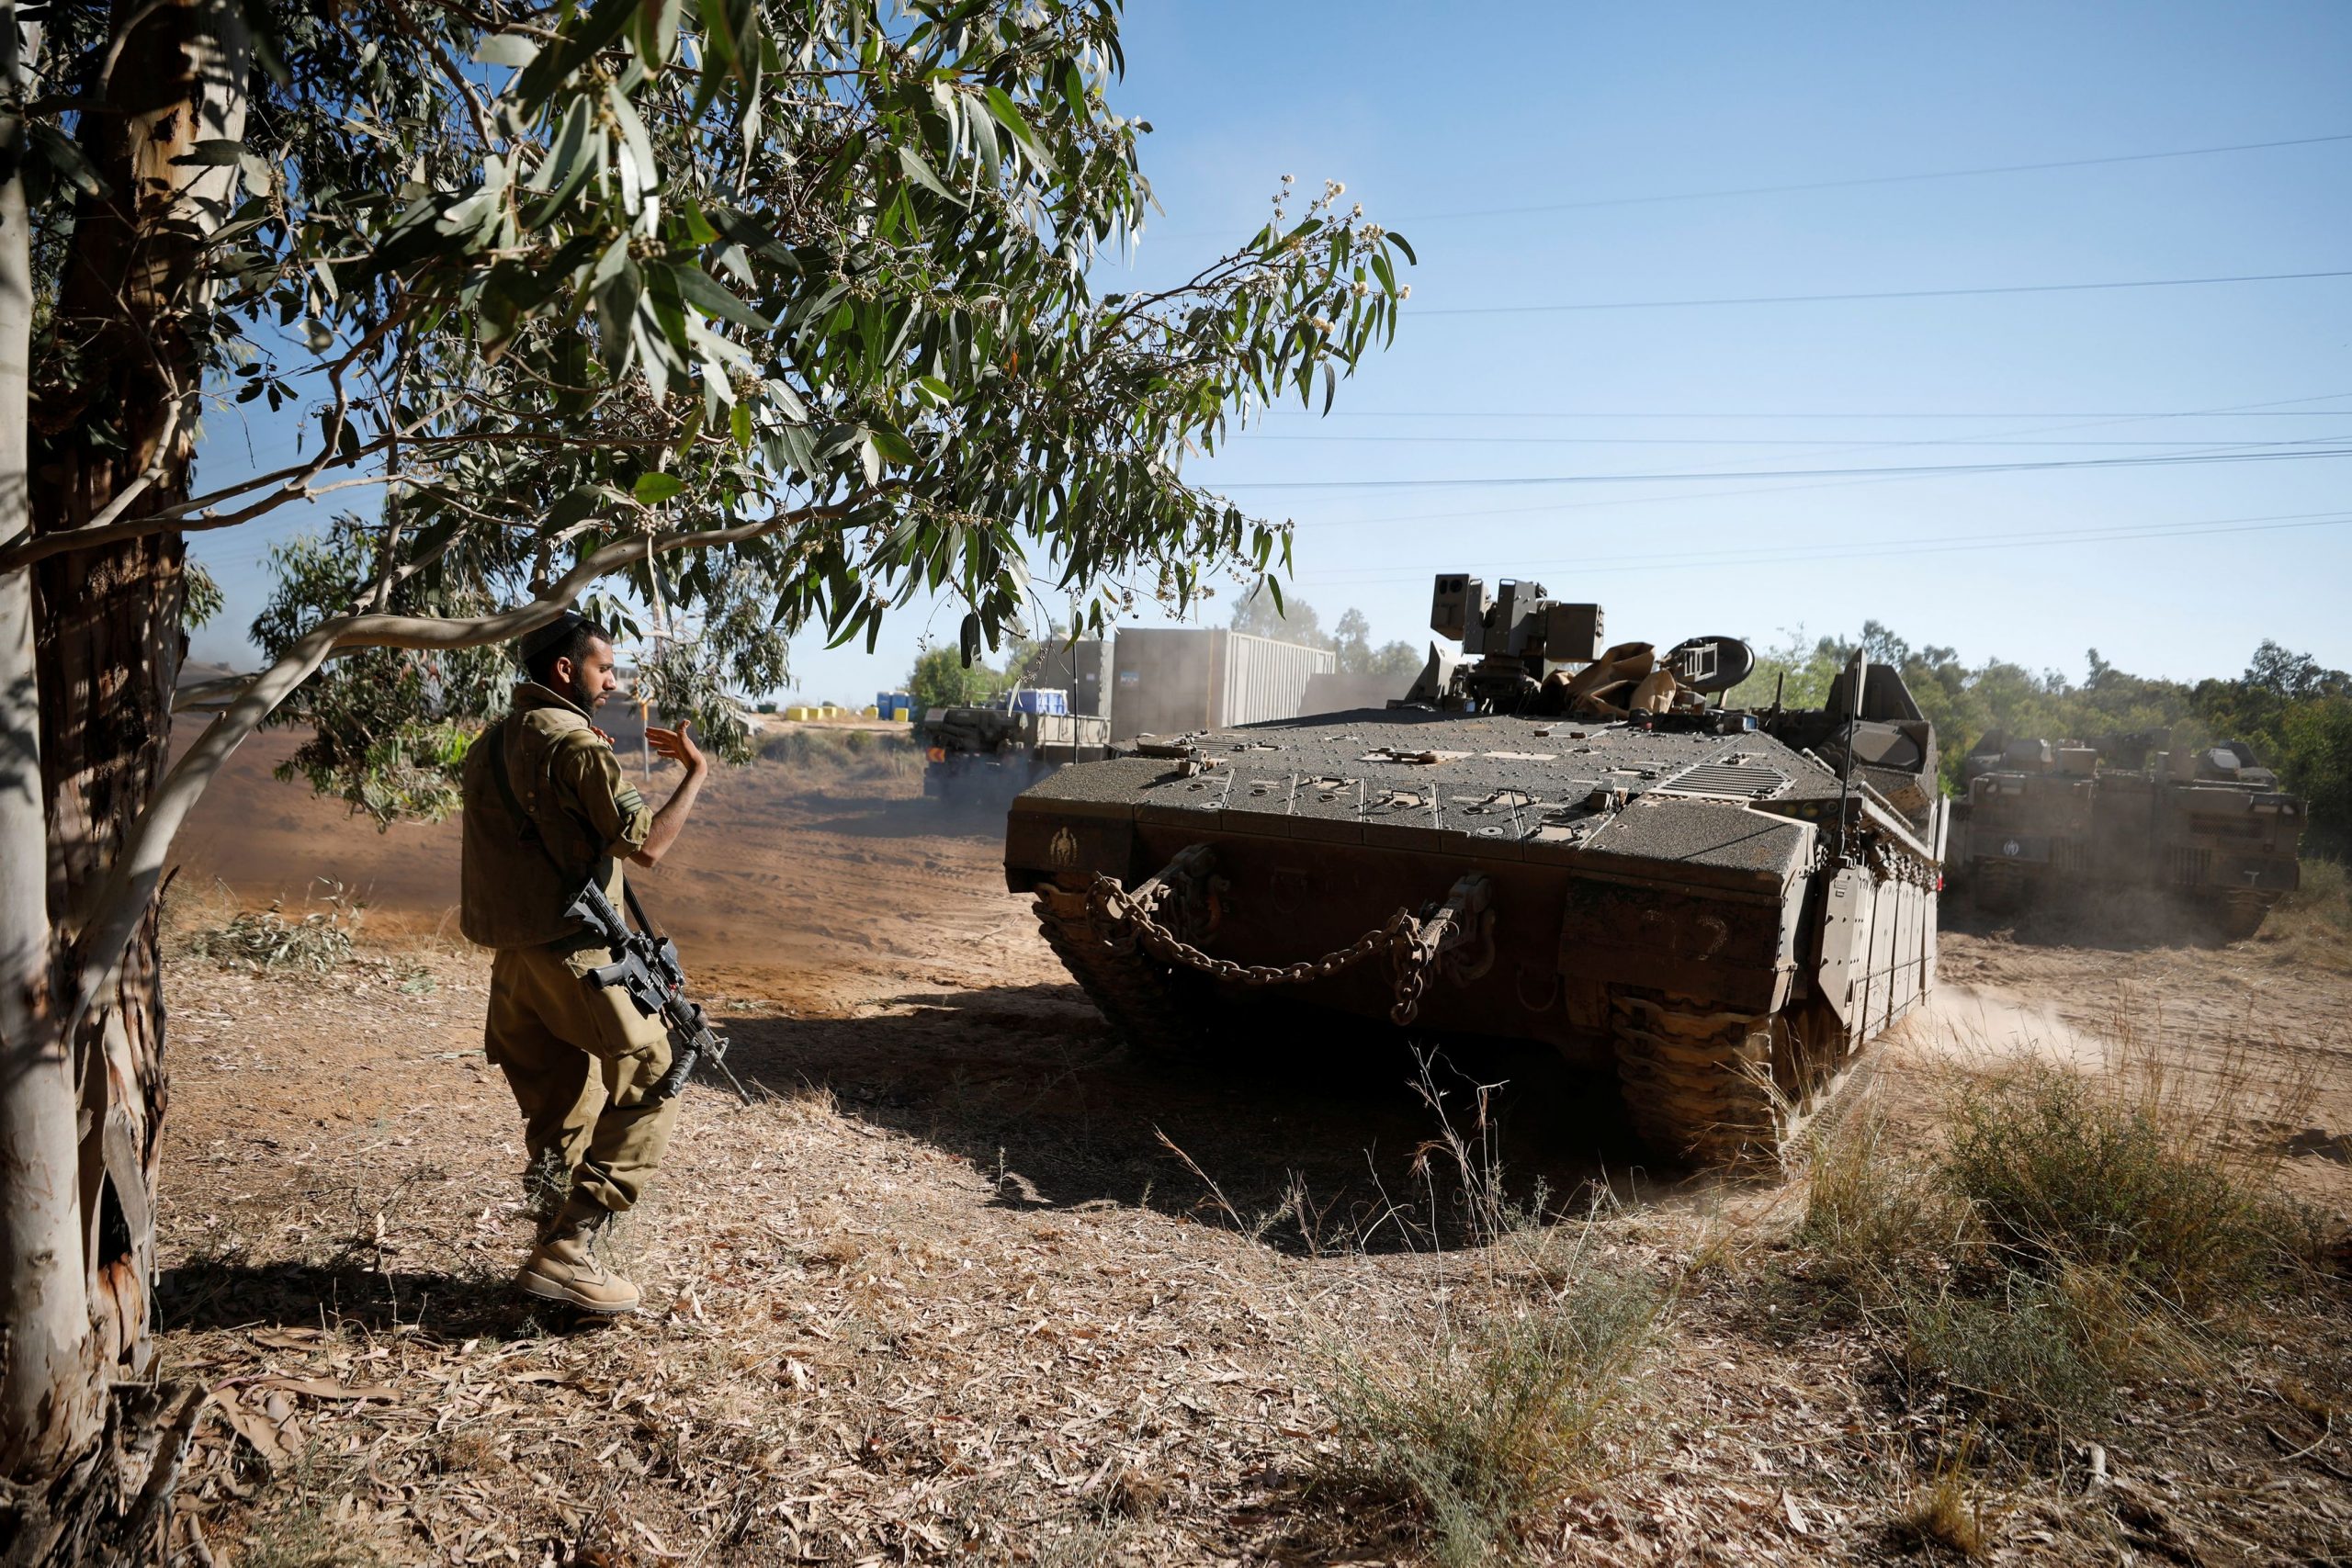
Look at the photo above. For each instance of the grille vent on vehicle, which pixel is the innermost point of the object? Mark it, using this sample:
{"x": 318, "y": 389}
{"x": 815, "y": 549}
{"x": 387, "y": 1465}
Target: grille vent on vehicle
{"x": 1732, "y": 778}
{"x": 2190, "y": 866}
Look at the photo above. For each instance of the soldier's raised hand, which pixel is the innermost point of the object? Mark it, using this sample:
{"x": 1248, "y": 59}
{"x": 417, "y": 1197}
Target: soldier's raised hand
{"x": 677, "y": 747}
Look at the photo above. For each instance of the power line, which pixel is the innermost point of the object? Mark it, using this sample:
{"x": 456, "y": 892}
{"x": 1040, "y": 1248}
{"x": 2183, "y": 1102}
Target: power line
{"x": 1748, "y": 441}
{"x": 1884, "y": 294}
{"x": 1592, "y": 203}
{"x": 1845, "y": 550}
{"x": 1485, "y": 481}
{"x": 2123, "y": 417}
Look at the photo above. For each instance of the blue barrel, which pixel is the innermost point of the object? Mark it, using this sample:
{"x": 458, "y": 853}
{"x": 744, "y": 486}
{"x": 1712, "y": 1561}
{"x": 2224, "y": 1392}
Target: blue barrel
{"x": 1041, "y": 700}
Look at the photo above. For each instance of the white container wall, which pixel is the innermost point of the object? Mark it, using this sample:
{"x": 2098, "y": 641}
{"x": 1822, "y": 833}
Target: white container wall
{"x": 1171, "y": 679}
{"x": 1260, "y": 679}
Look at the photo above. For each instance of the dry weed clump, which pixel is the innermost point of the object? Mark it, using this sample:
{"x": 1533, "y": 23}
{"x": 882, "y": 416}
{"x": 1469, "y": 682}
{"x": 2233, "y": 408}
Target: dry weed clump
{"x": 265, "y": 940}
{"x": 2313, "y": 925}
{"x": 1496, "y": 1421}
{"x": 1944, "y": 1515}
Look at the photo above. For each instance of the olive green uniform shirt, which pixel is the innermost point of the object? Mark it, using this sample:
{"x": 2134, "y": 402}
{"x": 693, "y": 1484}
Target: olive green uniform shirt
{"x": 575, "y": 798}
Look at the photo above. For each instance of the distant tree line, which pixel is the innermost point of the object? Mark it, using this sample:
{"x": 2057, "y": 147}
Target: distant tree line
{"x": 2296, "y": 714}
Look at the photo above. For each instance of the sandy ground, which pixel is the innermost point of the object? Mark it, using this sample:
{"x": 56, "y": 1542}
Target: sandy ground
{"x": 972, "y": 1283}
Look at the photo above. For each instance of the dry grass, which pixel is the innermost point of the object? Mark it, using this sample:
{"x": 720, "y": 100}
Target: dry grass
{"x": 2312, "y": 927}
{"x": 2073, "y": 1235}
{"x": 845, "y": 757}
{"x": 1944, "y": 1514}
{"x": 875, "y": 1332}
{"x": 1483, "y": 1431}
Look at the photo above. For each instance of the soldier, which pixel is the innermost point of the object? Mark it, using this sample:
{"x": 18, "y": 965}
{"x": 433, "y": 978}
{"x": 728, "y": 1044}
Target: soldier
{"x": 546, "y": 808}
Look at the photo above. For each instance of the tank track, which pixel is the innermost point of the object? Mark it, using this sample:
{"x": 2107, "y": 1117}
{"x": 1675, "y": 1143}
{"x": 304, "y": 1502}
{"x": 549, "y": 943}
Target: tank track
{"x": 1732, "y": 1090}
{"x": 2239, "y": 912}
{"x": 1148, "y": 1003}
{"x": 1997, "y": 887}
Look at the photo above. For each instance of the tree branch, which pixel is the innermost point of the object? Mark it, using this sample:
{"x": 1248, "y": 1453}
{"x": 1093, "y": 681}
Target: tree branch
{"x": 118, "y": 904}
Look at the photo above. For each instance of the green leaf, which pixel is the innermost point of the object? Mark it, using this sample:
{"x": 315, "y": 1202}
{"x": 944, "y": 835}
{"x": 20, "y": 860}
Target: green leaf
{"x": 919, "y": 171}
{"x": 213, "y": 153}
{"x": 640, "y": 145}
{"x": 739, "y": 421}
{"x": 697, "y": 288}
{"x": 1008, "y": 114}
{"x": 653, "y": 490}
{"x": 1398, "y": 241}
{"x": 1074, "y": 90}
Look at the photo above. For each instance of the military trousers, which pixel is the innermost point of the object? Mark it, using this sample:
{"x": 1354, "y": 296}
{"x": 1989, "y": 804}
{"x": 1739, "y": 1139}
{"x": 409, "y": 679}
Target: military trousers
{"x": 580, "y": 1060}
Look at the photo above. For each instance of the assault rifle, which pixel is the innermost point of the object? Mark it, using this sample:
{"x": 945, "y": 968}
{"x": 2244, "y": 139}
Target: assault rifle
{"x": 646, "y": 967}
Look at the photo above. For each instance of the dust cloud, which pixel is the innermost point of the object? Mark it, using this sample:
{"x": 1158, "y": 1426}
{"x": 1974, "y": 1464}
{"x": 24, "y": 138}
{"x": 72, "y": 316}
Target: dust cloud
{"x": 1982, "y": 1028}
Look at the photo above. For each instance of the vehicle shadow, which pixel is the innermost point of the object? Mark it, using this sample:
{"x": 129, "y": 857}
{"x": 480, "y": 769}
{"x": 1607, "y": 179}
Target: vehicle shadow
{"x": 2117, "y": 922}
{"x": 1309, "y": 1133}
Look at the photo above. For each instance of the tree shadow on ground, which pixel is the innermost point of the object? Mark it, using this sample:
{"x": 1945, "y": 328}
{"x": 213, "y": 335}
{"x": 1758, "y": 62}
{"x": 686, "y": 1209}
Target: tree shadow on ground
{"x": 1308, "y": 1131}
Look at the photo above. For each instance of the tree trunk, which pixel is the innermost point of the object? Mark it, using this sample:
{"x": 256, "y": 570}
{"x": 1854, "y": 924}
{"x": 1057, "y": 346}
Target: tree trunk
{"x": 81, "y": 1101}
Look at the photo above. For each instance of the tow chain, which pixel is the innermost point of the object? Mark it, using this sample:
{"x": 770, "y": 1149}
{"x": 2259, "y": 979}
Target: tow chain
{"x": 1415, "y": 944}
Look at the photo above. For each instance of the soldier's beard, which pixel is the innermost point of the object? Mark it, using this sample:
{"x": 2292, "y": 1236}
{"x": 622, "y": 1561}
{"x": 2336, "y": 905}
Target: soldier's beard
{"x": 587, "y": 696}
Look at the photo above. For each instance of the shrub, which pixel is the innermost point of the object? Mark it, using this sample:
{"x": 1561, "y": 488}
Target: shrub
{"x": 1495, "y": 1423}
{"x": 2062, "y": 1170}
{"x": 265, "y": 939}
{"x": 2042, "y": 1349}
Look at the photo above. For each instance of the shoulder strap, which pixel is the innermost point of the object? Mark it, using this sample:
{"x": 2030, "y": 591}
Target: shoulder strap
{"x": 529, "y": 827}
{"x": 524, "y": 824}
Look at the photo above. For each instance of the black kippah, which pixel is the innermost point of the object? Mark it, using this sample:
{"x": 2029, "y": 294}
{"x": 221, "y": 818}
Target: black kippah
{"x": 548, "y": 636}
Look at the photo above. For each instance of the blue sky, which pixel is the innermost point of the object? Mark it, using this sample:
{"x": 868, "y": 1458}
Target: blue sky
{"x": 1437, "y": 121}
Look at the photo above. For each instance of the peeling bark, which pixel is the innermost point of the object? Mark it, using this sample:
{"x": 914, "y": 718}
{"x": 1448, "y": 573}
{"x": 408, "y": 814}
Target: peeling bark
{"x": 87, "y": 725}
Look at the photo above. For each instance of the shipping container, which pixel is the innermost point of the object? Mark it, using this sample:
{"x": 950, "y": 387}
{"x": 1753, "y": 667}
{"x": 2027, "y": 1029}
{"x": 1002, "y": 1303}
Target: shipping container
{"x": 1082, "y": 669}
{"x": 1169, "y": 680}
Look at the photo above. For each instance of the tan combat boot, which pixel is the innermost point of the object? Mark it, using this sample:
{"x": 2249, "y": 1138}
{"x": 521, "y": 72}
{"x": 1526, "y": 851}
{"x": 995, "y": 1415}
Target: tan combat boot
{"x": 563, "y": 1268}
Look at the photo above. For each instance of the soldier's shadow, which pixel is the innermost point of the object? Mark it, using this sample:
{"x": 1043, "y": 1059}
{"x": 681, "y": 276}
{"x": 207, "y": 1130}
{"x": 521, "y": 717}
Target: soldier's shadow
{"x": 1309, "y": 1133}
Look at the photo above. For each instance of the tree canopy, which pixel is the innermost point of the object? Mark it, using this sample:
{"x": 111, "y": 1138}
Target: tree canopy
{"x": 590, "y": 286}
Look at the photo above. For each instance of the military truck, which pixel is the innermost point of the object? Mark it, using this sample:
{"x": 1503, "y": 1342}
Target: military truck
{"x": 993, "y": 751}
{"x": 2206, "y": 826}
{"x": 1544, "y": 840}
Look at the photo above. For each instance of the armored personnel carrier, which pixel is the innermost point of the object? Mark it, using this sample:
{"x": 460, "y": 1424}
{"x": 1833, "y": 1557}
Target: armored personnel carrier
{"x": 991, "y": 752}
{"x": 1545, "y": 840}
{"x": 2208, "y": 826}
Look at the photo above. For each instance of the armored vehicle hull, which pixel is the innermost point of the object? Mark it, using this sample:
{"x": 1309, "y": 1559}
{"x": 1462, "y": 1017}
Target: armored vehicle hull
{"x": 1703, "y": 906}
{"x": 2208, "y": 828}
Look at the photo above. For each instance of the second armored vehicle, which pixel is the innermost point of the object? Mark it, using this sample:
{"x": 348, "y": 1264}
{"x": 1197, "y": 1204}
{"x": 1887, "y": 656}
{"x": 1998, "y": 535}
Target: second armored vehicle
{"x": 1548, "y": 839}
{"x": 2208, "y": 826}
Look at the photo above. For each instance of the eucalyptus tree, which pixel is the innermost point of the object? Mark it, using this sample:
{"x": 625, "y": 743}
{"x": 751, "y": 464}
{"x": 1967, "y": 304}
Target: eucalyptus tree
{"x": 780, "y": 311}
